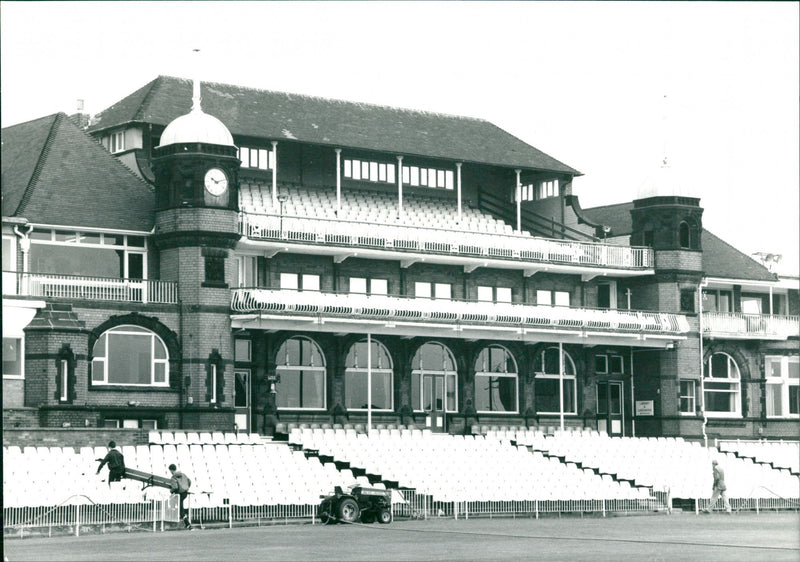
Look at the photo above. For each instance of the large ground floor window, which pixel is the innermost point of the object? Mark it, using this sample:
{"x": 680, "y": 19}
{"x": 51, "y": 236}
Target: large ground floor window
{"x": 548, "y": 381}
{"x": 783, "y": 386}
{"x": 356, "y": 373}
{"x": 433, "y": 379}
{"x": 300, "y": 364}
{"x": 722, "y": 386}
{"x": 495, "y": 380}
{"x": 130, "y": 355}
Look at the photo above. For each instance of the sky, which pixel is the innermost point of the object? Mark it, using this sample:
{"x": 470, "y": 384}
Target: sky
{"x": 608, "y": 88}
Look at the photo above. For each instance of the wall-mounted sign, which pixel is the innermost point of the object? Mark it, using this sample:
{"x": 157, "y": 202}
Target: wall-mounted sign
{"x": 644, "y": 407}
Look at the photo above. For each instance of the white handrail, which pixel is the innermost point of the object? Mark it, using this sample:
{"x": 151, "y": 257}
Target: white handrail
{"x": 742, "y": 324}
{"x": 442, "y": 240}
{"x": 49, "y": 285}
{"x": 401, "y": 308}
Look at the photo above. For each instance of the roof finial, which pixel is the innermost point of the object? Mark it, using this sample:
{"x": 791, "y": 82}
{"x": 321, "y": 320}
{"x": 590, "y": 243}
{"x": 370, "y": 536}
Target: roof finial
{"x": 196, "y": 86}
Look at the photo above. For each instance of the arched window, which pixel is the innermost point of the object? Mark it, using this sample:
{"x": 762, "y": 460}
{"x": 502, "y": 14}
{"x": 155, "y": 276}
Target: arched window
{"x": 546, "y": 368}
{"x": 433, "y": 379}
{"x": 722, "y": 386}
{"x": 687, "y": 235}
{"x": 496, "y": 386}
{"x": 355, "y": 376}
{"x": 131, "y": 356}
{"x": 300, "y": 365}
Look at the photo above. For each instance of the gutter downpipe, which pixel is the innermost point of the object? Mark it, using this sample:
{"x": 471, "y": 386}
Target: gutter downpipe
{"x": 633, "y": 402}
{"x": 703, "y": 283}
{"x": 25, "y": 247}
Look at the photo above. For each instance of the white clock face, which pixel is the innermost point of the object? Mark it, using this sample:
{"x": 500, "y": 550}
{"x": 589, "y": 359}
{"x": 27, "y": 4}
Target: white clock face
{"x": 216, "y": 181}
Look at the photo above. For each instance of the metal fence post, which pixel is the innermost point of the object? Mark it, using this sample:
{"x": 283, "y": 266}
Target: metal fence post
{"x": 78, "y": 520}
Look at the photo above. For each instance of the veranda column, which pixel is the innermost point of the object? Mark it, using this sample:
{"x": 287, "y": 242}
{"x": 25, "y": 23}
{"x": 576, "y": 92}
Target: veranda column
{"x": 338, "y": 180}
{"x": 519, "y": 204}
{"x": 560, "y": 382}
{"x": 458, "y": 187}
{"x": 274, "y": 173}
{"x": 400, "y": 186}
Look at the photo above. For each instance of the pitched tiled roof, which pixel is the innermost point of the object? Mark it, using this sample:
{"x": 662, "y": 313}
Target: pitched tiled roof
{"x": 54, "y": 173}
{"x": 271, "y": 115}
{"x": 720, "y": 259}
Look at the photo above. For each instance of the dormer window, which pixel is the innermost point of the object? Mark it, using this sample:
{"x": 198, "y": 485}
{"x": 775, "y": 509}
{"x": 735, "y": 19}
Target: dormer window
{"x": 535, "y": 192}
{"x": 256, "y": 158}
{"x": 116, "y": 142}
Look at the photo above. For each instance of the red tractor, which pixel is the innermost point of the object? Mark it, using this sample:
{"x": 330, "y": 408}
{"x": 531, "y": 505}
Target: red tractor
{"x": 366, "y": 505}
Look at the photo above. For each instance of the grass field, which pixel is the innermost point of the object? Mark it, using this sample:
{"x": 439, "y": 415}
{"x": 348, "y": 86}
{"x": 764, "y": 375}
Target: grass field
{"x": 683, "y": 536}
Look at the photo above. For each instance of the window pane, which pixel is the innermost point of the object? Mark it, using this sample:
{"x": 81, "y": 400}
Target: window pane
{"x": 289, "y": 281}
{"x": 602, "y": 398}
{"x": 562, "y": 298}
{"x": 379, "y": 286}
{"x": 288, "y": 389}
{"x": 390, "y": 173}
{"x": 414, "y": 176}
{"x": 773, "y": 367}
{"x": 443, "y": 290}
{"x": 313, "y": 389}
{"x": 450, "y": 381}
{"x": 76, "y": 260}
{"x": 485, "y": 294}
{"x": 794, "y": 400}
{"x": 543, "y": 297}
{"x": 617, "y": 365}
{"x": 98, "y": 371}
{"x": 129, "y": 360}
{"x": 160, "y": 373}
{"x": 241, "y": 350}
{"x": 720, "y": 402}
{"x": 546, "y": 395}
{"x": 348, "y": 169}
{"x": 422, "y": 290}
{"x": 356, "y": 389}
{"x": 240, "y": 389}
{"x": 774, "y": 400}
{"x": 601, "y": 364}
{"x": 263, "y": 159}
{"x": 373, "y": 171}
{"x": 794, "y": 368}
{"x": 12, "y": 357}
{"x": 415, "y": 396}
{"x": 503, "y": 294}
{"x": 311, "y": 282}
{"x": 495, "y": 394}
{"x": 358, "y": 285}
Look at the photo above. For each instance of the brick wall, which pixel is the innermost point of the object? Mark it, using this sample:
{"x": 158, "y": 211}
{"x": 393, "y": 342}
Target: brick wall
{"x": 53, "y": 437}
{"x": 20, "y": 417}
{"x": 13, "y": 393}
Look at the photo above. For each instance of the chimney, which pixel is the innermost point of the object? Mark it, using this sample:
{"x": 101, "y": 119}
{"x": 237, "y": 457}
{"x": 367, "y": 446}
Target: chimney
{"x": 80, "y": 118}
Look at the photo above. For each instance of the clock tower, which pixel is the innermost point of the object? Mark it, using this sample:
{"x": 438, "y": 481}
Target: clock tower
{"x": 197, "y": 178}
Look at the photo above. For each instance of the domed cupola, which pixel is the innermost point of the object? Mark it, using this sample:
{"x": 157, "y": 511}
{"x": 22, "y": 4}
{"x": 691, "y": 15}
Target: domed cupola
{"x": 196, "y": 162}
{"x": 196, "y": 126}
{"x": 663, "y": 183}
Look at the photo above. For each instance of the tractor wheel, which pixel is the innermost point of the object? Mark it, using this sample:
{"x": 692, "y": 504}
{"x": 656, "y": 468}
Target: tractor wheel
{"x": 348, "y": 510}
{"x": 326, "y": 518}
{"x": 385, "y": 516}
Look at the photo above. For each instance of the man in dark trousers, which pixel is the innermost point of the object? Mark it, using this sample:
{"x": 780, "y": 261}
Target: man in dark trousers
{"x": 180, "y": 484}
{"x": 116, "y": 464}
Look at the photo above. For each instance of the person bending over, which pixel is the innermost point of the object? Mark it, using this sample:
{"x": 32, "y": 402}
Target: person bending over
{"x": 180, "y": 484}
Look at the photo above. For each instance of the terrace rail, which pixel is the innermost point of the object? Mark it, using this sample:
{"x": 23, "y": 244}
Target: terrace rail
{"x": 50, "y": 285}
{"x": 276, "y": 301}
{"x": 755, "y": 326}
{"x": 443, "y": 241}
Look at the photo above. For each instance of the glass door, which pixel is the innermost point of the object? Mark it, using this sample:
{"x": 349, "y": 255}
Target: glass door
{"x": 610, "y": 411}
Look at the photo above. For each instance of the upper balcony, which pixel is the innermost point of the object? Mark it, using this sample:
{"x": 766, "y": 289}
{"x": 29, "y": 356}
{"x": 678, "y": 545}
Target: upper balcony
{"x": 47, "y": 285}
{"x": 404, "y": 316}
{"x": 371, "y": 224}
{"x": 737, "y": 325}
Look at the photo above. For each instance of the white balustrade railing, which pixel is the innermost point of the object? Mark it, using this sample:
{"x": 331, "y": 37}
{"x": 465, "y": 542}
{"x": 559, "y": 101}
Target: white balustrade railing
{"x": 382, "y": 307}
{"x": 738, "y": 324}
{"x": 442, "y": 240}
{"x": 48, "y": 285}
